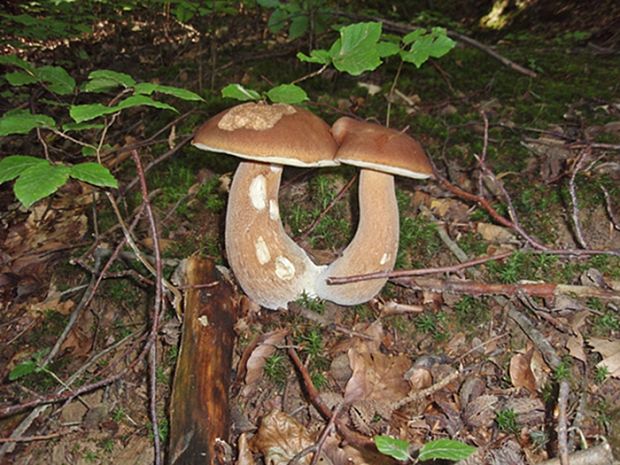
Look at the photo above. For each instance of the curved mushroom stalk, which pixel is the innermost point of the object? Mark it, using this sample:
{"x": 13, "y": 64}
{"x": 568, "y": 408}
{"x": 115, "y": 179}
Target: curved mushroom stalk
{"x": 374, "y": 247}
{"x": 271, "y": 268}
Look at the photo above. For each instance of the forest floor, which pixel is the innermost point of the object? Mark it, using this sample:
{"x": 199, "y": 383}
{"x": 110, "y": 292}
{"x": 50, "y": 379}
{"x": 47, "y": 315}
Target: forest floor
{"x": 490, "y": 346}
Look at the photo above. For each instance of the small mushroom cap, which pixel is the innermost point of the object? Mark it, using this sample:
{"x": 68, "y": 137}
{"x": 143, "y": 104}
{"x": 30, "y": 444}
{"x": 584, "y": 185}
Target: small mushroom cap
{"x": 378, "y": 148}
{"x": 277, "y": 133}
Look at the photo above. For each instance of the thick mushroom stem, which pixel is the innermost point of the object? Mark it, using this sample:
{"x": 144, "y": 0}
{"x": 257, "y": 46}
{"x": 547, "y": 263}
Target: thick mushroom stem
{"x": 374, "y": 247}
{"x": 270, "y": 268}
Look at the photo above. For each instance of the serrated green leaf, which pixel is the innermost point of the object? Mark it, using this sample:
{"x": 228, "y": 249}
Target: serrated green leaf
{"x": 445, "y": 449}
{"x": 238, "y": 92}
{"x": 122, "y": 79}
{"x": 81, "y": 113}
{"x": 39, "y": 181}
{"x": 20, "y": 78}
{"x": 22, "y": 122}
{"x": 298, "y": 27}
{"x": 13, "y": 165}
{"x": 356, "y": 50}
{"x": 56, "y": 78}
{"x": 392, "y": 447}
{"x": 94, "y": 173}
{"x": 147, "y": 88}
{"x": 23, "y": 369}
{"x": 15, "y": 61}
{"x": 142, "y": 100}
{"x": 316, "y": 56}
{"x": 287, "y": 93}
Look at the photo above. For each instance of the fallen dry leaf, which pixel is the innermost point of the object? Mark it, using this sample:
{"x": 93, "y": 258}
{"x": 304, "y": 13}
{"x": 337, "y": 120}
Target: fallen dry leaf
{"x": 610, "y": 350}
{"x": 521, "y": 373}
{"x": 244, "y": 457}
{"x": 280, "y": 437}
{"x": 493, "y": 233}
{"x": 258, "y": 358}
{"x": 376, "y": 376}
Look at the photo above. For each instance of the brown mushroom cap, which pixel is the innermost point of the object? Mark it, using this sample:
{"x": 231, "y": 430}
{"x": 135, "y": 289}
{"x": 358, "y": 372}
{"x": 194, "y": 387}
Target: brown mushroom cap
{"x": 375, "y": 147}
{"x": 278, "y": 133}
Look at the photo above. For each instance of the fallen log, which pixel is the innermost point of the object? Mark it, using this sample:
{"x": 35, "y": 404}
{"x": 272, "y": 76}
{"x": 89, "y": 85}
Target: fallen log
{"x": 199, "y": 410}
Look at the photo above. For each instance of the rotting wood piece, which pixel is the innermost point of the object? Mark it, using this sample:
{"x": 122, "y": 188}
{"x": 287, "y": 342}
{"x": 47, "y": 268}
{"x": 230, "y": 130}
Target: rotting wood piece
{"x": 199, "y": 410}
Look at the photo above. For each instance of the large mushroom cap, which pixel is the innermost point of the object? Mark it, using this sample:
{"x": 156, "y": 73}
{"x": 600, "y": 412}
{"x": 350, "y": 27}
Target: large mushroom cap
{"x": 278, "y": 133}
{"x": 375, "y": 147}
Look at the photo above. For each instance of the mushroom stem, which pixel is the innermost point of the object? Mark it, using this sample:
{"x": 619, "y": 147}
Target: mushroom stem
{"x": 269, "y": 266}
{"x": 374, "y": 247}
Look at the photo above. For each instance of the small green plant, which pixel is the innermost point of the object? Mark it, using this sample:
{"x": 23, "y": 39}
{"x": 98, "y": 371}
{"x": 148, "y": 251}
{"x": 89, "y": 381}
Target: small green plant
{"x": 118, "y": 414}
{"x": 312, "y": 343}
{"x": 276, "y": 370}
{"x": 471, "y": 311}
{"x": 607, "y": 323}
{"x": 107, "y": 445}
{"x": 440, "y": 449}
{"x": 601, "y": 374}
{"x": 36, "y": 178}
{"x": 313, "y": 304}
{"x": 434, "y": 324}
{"x": 562, "y": 371}
{"x": 301, "y": 16}
{"x": 507, "y": 421}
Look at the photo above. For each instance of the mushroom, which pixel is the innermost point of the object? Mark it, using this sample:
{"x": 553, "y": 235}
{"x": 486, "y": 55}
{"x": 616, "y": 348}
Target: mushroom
{"x": 381, "y": 153}
{"x": 269, "y": 266}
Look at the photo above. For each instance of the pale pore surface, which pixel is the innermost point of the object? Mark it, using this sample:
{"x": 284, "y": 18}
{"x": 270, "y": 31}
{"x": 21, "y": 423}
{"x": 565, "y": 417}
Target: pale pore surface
{"x": 374, "y": 246}
{"x": 269, "y": 266}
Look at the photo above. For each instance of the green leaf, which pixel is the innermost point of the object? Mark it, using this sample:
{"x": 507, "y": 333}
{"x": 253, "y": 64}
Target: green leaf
{"x": 316, "y": 56}
{"x": 81, "y": 126}
{"x": 20, "y": 78}
{"x": 148, "y": 88}
{"x": 121, "y": 79}
{"x": 57, "y": 79}
{"x": 299, "y": 26}
{"x": 287, "y": 93}
{"x": 100, "y": 85}
{"x": 22, "y": 122}
{"x": 142, "y": 100}
{"x": 39, "y": 181}
{"x": 413, "y": 36}
{"x": 13, "y": 165}
{"x": 387, "y": 49}
{"x": 445, "y": 449}
{"x": 81, "y": 113}
{"x": 356, "y": 50}
{"x": 12, "y": 60}
{"x": 277, "y": 20}
{"x": 23, "y": 369}
{"x": 238, "y": 92}
{"x": 434, "y": 44}
{"x": 269, "y": 3}
{"x": 393, "y": 447}
{"x": 94, "y": 173}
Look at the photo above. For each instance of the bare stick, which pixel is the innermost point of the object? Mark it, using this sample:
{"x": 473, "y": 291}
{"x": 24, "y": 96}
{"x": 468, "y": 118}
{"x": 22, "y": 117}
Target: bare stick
{"x": 610, "y": 212}
{"x": 419, "y": 272}
{"x": 157, "y": 308}
{"x": 573, "y": 197}
{"x": 335, "y": 200}
{"x": 600, "y": 454}
{"x": 563, "y": 422}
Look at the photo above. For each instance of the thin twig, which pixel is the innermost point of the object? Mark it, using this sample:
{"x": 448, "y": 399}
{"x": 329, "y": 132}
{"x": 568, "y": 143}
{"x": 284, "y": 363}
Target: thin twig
{"x": 391, "y": 94}
{"x": 419, "y": 272}
{"x": 614, "y": 221}
{"x": 157, "y": 308}
{"x": 326, "y": 210}
{"x": 573, "y": 197}
{"x": 563, "y": 422}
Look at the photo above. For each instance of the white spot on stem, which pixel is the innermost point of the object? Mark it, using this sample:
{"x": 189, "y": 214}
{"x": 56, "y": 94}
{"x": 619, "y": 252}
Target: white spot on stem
{"x": 275, "y": 168}
{"x": 258, "y": 192}
{"x": 384, "y": 258}
{"x": 285, "y": 270}
{"x": 262, "y": 251}
{"x": 203, "y": 320}
{"x": 274, "y": 210}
